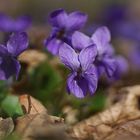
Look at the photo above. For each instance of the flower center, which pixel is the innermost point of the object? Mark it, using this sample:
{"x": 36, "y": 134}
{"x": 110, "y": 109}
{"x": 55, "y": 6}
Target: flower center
{"x": 60, "y": 34}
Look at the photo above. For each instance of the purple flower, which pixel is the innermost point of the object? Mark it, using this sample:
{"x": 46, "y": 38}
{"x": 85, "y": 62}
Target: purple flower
{"x": 120, "y": 23}
{"x": 63, "y": 26}
{"x": 9, "y": 65}
{"x": 122, "y": 67}
{"x": 83, "y": 77}
{"x": 135, "y": 56}
{"x": 8, "y": 24}
{"x": 105, "y": 60}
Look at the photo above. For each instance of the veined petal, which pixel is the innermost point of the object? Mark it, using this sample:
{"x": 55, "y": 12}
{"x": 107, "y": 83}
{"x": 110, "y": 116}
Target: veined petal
{"x": 80, "y": 41}
{"x": 87, "y": 56}
{"x": 76, "y": 20}
{"x": 92, "y": 77}
{"x": 17, "y": 43}
{"x": 77, "y": 85}
{"x": 58, "y": 18}
{"x": 101, "y": 38}
{"x": 69, "y": 57}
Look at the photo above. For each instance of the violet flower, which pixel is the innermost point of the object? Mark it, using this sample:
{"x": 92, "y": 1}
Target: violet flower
{"x": 63, "y": 26}
{"x": 83, "y": 77}
{"x": 121, "y": 67}
{"x": 9, "y": 65}
{"x": 117, "y": 18}
{"x": 105, "y": 60}
{"x": 8, "y": 24}
{"x": 135, "y": 56}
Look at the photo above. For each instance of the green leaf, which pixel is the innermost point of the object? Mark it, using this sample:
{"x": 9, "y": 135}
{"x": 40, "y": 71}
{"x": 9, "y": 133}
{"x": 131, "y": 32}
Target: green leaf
{"x": 98, "y": 102}
{"x": 3, "y": 90}
{"x": 11, "y": 106}
{"x": 44, "y": 80}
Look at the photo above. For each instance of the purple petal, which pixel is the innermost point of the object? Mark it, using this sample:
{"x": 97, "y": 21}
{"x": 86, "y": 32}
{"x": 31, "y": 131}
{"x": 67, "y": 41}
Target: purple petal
{"x": 53, "y": 45}
{"x": 87, "y": 56}
{"x": 76, "y": 20}
{"x": 92, "y": 77}
{"x": 3, "y": 51}
{"x": 9, "y": 67}
{"x": 22, "y": 23}
{"x": 58, "y": 18}
{"x": 6, "y": 23}
{"x": 17, "y": 43}
{"x": 135, "y": 56}
{"x": 80, "y": 40}
{"x": 122, "y": 66}
{"x": 109, "y": 50}
{"x": 101, "y": 38}
{"x": 77, "y": 85}
{"x": 109, "y": 65}
{"x": 69, "y": 57}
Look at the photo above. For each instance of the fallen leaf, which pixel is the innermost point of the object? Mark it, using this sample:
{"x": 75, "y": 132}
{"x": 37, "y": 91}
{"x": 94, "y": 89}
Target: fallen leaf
{"x": 32, "y": 58}
{"x": 35, "y": 126}
{"x": 30, "y": 105}
{"x": 104, "y": 123}
{"x": 6, "y": 127}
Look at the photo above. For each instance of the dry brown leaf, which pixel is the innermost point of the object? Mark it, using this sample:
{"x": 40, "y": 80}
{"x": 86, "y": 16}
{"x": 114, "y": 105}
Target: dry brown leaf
{"x": 129, "y": 130}
{"x": 70, "y": 115}
{"x": 30, "y": 105}
{"x": 104, "y": 123}
{"x": 32, "y": 58}
{"x": 6, "y": 127}
{"x": 37, "y": 124}
{"x": 33, "y": 127}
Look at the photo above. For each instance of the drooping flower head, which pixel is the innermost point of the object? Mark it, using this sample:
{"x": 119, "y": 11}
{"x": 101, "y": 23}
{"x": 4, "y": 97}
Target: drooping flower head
{"x": 83, "y": 77}
{"x": 7, "y": 24}
{"x": 63, "y": 26}
{"x": 107, "y": 61}
{"x": 9, "y": 65}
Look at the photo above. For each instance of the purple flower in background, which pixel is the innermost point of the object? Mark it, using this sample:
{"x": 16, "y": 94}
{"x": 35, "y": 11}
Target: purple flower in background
{"x": 63, "y": 26}
{"x": 83, "y": 77}
{"x": 8, "y": 24}
{"x": 117, "y": 18}
{"x": 128, "y": 29}
{"x": 105, "y": 60}
{"x": 135, "y": 56}
{"x": 9, "y": 65}
{"x": 113, "y": 14}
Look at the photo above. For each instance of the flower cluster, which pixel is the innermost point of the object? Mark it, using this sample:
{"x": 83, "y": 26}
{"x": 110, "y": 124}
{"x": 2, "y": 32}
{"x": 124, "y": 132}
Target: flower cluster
{"x": 87, "y": 57}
